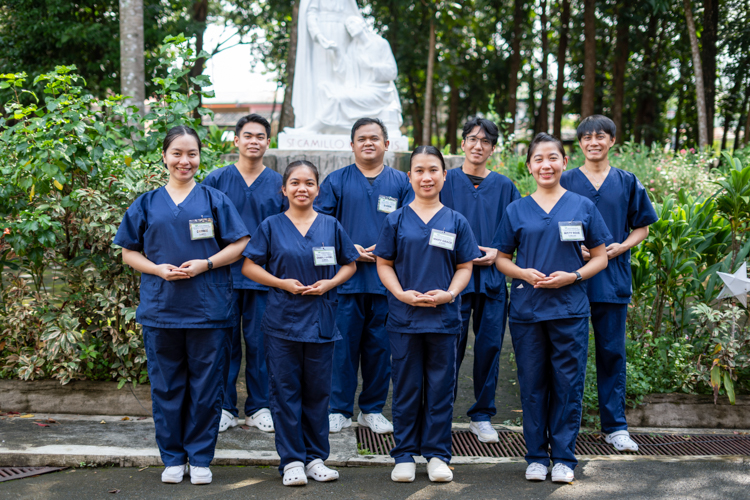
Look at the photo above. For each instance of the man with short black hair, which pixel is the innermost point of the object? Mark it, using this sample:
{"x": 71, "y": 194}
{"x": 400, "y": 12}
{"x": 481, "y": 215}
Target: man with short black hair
{"x": 481, "y": 196}
{"x": 256, "y": 193}
{"x": 360, "y": 196}
{"x": 627, "y": 210}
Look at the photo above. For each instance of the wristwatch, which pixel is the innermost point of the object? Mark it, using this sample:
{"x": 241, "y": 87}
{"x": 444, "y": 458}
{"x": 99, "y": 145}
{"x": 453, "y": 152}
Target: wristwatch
{"x": 578, "y": 276}
{"x": 453, "y": 296}
{"x": 210, "y": 264}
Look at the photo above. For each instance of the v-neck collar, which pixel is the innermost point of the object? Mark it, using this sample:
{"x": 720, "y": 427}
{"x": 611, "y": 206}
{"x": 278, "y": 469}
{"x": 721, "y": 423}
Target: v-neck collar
{"x": 310, "y": 231}
{"x": 258, "y": 180}
{"x": 432, "y": 220}
{"x": 590, "y": 185}
{"x": 554, "y": 210}
{"x": 468, "y": 182}
{"x": 177, "y": 208}
{"x": 370, "y": 187}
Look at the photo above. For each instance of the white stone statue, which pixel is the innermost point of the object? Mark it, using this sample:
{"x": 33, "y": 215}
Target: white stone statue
{"x": 322, "y": 40}
{"x": 344, "y": 71}
{"x": 367, "y": 89}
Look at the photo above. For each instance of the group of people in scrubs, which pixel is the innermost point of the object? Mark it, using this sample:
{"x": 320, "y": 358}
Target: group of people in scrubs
{"x": 382, "y": 271}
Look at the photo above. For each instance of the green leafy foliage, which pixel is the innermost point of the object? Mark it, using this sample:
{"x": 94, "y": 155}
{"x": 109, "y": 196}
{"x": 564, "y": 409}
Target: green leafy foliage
{"x": 70, "y": 165}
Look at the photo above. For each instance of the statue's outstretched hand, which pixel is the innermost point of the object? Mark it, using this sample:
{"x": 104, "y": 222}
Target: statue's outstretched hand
{"x": 325, "y": 42}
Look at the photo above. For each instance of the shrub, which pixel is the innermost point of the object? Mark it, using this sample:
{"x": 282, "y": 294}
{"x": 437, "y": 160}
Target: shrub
{"x": 71, "y": 165}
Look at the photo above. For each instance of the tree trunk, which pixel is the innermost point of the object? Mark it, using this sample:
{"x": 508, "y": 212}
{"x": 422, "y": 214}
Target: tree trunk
{"x": 709, "y": 36}
{"x": 698, "y": 72}
{"x": 622, "y": 54}
{"x": 287, "y": 111}
{"x": 200, "y": 13}
{"x": 451, "y": 133}
{"x": 416, "y": 113}
{"x": 543, "y": 122}
{"x": 589, "y": 59}
{"x": 731, "y": 104}
{"x": 744, "y": 112}
{"x": 562, "y": 49}
{"x": 515, "y": 62}
{"x": 531, "y": 105}
{"x": 647, "y": 80}
{"x": 132, "y": 65}
{"x": 426, "y": 129}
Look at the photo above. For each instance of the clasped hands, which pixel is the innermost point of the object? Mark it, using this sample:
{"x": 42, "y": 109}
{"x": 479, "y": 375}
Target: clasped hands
{"x": 187, "y": 270}
{"x": 433, "y": 298}
{"x": 557, "y": 279}
{"x": 296, "y": 288}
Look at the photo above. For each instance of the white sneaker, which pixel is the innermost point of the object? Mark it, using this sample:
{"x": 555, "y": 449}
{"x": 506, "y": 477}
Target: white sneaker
{"x": 318, "y": 471}
{"x": 227, "y": 420}
{"x": 294, "y": 474}
{"x": 376, "y": 422}
{"x": 561, "y": 473}
{"x": 200, "y": 475}
{"x": 536, "y": 472}
{"x": 262, "y": 420}
{"x": 336, "y": 422}
{"x": 404, "y": 472}
{"x": 438, "y": 471}
{"x": 484, "y": 432}
{"x": 622, "y": 441}
{"x": 174, "y": 473}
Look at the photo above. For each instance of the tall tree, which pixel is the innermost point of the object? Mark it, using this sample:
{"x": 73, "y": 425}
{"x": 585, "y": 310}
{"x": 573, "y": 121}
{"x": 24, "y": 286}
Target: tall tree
{"x": 562, "y": 50}
{"x": 709, "y": 38}
{"x": 698, "y": 72}
{"x": 287, "y": 112}
{"x": 426, "y": 129}
{"x": 589, "y": 60}
{"x": 622, "y": 54}
{"x": 543, "y": 121}
{"x": 519, "y": 7}
{"x": 132, "y": 65}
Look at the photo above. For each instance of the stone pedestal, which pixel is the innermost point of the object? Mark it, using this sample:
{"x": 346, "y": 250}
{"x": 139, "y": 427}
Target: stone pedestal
{"x": 329, "y": 142}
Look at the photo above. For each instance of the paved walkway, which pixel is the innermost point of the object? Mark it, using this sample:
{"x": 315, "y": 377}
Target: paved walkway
{"x": 596, "y": 480}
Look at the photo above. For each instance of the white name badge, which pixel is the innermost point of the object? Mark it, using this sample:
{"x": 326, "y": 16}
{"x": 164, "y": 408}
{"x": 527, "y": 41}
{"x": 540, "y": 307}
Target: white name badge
{"x": 324, "y": 256}
{"x": 571, "y": 231}
{"x": 387, "y": 204}
{"x": 442, "y": 239}
{"x": 201, "y": 229}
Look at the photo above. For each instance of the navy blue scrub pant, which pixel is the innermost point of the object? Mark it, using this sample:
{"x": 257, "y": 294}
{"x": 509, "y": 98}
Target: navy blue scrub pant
{"x": 361, "y": 320}
{"x": 251, "y": 305}
{"x": 551, "y": 359}
{"x": 186, "y": 367}
{"x": 299, "y": 375}
{"x": 609, "y": 333}
{"x": 424, "y": 375}
{"x": 489, "y": 329}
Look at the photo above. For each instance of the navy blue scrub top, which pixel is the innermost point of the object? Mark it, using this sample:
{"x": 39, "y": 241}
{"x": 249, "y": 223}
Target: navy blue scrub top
{"x": 484, "y": 207}
{"x": 160, "y": 229}
{"x": 280, "y": 246}
{"x": 347, "y": 195}
{"x": 255, "y": 203}
{"x": 404, "y": 239}
{"x": 536, "y": 235}
{"x": 624, "y": 204}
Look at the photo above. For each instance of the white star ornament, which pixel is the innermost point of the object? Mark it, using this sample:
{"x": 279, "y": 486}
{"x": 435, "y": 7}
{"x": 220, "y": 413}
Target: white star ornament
{"x": 735, "y": 285}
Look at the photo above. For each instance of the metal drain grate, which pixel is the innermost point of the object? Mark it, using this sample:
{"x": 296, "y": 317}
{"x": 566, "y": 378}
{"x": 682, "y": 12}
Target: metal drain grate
{"x": 9, "y": 473}
{"x": 512, "y": 444}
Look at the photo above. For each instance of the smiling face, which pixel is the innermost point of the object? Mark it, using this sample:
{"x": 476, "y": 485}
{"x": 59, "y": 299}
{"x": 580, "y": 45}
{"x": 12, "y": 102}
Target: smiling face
{"x": 547, "y": 164}
{"x": 182, "y": 158}
{"x": 301, "y": 187}
{"x": 252, "y": 141}
{"x": 427, "y": 176}
{"x": 369, "y": 144}
{"x": 596, "y": 145}
{"x": 477, "y": 146}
